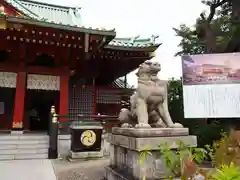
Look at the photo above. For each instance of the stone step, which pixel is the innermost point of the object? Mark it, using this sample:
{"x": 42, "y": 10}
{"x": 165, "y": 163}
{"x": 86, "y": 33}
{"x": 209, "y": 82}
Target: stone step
{"x": 21, "y": 142}
{"x": 23, "y": 151}
{"x": 31, "y": 156}
{"x": 23, "y": 156}
{"x": 24, "y": 137}
{"x": 24, "y": 146}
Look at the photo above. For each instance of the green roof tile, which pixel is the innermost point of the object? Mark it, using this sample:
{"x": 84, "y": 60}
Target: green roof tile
{"x": 71, "y": 16}
{"x": 134, "y": 42}
{"x": 53, "y": 13}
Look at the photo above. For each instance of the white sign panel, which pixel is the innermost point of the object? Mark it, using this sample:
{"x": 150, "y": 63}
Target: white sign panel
{"x": 211, "y": 85}
{"x": 43, "y": 82}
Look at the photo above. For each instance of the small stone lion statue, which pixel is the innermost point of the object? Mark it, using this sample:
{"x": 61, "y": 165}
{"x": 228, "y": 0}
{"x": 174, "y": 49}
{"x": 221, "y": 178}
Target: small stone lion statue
{"x": 148, "y": 105}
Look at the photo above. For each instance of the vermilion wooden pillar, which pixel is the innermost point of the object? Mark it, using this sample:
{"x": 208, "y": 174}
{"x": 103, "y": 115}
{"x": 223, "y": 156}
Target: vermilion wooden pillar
{"x": 19, "y": 101}
{"x": 63, "y": 109}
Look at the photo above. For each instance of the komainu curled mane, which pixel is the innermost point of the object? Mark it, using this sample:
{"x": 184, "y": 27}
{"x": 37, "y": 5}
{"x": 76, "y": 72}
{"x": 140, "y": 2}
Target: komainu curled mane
{"x": 149, "y": 107}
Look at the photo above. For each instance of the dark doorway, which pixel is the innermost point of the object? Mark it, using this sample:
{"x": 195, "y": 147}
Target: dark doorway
{"x": 37, "y": 108}
{"x": 7, "y": 96}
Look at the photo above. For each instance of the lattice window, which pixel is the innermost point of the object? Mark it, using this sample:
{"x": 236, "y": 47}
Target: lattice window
{"x": 108, "y": 96}
{"x": 81, "y": 102}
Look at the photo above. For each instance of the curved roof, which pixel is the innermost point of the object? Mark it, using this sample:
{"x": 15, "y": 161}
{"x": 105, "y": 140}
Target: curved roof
{"x": 71, "y": 16}
{"x": 52, "y": 13}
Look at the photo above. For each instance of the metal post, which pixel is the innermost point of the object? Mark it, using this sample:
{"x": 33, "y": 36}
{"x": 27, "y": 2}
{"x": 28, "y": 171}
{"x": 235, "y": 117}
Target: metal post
{"x": 125, "y": 81}
{"x": 52, "y": 111}
{"x": 53, "y": 136}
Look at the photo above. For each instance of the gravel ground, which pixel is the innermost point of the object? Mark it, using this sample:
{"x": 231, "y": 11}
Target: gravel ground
{"x": 84, "y": 170}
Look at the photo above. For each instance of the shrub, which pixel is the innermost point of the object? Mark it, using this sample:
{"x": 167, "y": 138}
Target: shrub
{"x": 183, "y": 162}
{"x": 226, "y": 172}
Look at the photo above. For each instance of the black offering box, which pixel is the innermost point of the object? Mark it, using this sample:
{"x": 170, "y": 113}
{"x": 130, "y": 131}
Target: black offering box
{"x": 86, "y": 136}
{"x": 86, "y": 140}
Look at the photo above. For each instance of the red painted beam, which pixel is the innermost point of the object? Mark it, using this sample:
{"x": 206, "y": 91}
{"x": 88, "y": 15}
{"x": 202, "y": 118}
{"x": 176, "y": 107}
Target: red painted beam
{"x": 48, "y": 71}
{"x": 9, "y": 67}
{"x": 63, "y": 106}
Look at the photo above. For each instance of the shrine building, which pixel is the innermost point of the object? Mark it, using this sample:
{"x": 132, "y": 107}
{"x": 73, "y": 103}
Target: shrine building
{"x": 47, "y": 57}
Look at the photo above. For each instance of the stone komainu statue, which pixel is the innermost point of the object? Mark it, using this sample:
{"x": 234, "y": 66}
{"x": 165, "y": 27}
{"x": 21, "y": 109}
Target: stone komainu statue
{"x": 148, "y": 105}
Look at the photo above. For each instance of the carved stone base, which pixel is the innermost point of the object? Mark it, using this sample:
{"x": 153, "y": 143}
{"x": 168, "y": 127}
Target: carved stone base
{"x": 124, "y": 154}
{"x": 151, "y": 132}
{"x": 112, "y": 174}
{"x": 85, "y": 155}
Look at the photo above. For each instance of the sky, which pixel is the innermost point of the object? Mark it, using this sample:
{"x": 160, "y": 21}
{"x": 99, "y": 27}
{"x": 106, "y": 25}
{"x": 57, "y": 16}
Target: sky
{"x": 144, "y": 18}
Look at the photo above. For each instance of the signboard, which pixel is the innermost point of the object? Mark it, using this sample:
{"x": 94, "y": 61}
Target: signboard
{"x": 211, "y": 85}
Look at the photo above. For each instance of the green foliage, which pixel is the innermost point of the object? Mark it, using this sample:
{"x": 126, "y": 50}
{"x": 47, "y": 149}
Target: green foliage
{"x": 221, "y": 26}
{"x": 226, "y": 172}
{"x": 173, "y": 160}
{"x": 144, "y": 153}
{"x": 208, "y": 133}
{"x": 190, "y": 43}
{"x": 181, "y": 162}
{"x": 175, "y": 99}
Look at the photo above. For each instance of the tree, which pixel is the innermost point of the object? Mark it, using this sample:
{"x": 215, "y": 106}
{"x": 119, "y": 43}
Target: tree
{"x": 175, "y": 99}
{"x": 211, "y": 33}
{"x": 175, "y": 103}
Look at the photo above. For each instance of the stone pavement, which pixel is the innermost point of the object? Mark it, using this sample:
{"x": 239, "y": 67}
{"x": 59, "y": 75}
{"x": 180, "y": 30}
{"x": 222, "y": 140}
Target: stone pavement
{"x": 27, "y": 170}
{"x": 84, "y": 170}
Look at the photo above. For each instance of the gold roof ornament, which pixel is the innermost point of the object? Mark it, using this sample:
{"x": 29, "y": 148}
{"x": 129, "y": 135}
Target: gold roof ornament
{"x": 152, "y": 54}
{"x": 102, "y": 28}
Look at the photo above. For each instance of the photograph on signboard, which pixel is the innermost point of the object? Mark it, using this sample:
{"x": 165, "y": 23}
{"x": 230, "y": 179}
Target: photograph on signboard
{"x": 211, "y": 69}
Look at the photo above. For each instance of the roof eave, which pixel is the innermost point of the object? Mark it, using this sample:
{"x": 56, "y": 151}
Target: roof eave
{"x": 129, "y": 48}
{"x": 61, "y": 26}
{"x": 48, "y": 4}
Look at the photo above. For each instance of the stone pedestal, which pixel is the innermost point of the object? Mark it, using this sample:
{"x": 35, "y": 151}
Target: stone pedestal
{"x": 124, "y": 153}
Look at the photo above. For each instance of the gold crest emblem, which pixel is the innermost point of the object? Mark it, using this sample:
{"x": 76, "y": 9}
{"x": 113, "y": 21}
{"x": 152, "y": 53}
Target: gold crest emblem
{"x": 88, "y": 138}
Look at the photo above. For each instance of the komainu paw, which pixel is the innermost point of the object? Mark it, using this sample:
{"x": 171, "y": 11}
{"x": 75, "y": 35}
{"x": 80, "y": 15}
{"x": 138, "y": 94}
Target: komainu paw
{"x": 177, "y": 125}
{"x": 142, "y": 125}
